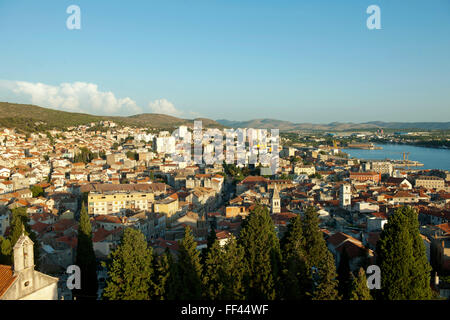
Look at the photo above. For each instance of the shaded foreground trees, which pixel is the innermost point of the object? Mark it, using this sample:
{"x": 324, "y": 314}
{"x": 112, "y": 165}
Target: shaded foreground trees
{"x": 405, "y": 271}
{"x": 19, "y": 224}
{"x": 85, "y": 259}
{"x": 259, "y": 266}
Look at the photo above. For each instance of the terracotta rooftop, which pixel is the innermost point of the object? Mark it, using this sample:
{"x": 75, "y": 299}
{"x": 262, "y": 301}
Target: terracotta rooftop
{"x": 6, "y": 278}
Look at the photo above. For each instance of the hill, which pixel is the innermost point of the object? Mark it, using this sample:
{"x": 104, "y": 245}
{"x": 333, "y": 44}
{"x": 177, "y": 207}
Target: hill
{"x": 334, "y": 126}
{"x": 27, "y": 117}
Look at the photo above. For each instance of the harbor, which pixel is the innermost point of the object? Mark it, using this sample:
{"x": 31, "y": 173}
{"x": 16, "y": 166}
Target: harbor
{"x": 405, "y": 156}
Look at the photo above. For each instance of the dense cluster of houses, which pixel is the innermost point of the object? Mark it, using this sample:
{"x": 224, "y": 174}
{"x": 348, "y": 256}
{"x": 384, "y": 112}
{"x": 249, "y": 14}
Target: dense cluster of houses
{"x": 131, "y": 180}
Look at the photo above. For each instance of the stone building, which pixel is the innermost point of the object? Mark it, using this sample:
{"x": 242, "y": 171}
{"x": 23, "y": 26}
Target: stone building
{"x": 21, "y": 281}
{"x": 276, "y": 201}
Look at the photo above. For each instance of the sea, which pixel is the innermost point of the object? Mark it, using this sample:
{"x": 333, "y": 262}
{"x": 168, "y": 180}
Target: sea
{"x": 432, "y": 158}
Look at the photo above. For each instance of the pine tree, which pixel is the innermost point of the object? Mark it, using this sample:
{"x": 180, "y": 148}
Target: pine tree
{"x": 85, "y": 259}
{"x": 320, "y": 261}
{"x": 5, "y": 251}
{"x": 173, "y": 279}
{"x": 130, "y": 268}
{"x": 161, "y": 276}
{"x": 262, "y": 255}
{"x": 210, "y": 241}
{"x": 294, "y": 275}
{"x": 20, "y": 225}
{"x": 224, "y": 271}
{"x": 189, "y": 269}
{"x": 344, "y": 275}
{"x": 421, "y": 269}
{"x": 402, "y": 260}
{"x": 359, "y": 289}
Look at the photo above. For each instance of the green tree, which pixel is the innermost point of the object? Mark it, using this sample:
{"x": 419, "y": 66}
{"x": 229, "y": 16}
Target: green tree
{"x": 224, "y": 271}
{"x": 85, "y": 259}
{"x": 132, "y": 155}
{"x": 359, "y": 289}
{"x": 37, "y": 191}
{"x": 344, "y": 275}
{"x": 320, "y": 261}
{"x": 210, "y": 241}
{"x": 421, "y": 269}
{"x": 130, "y": 268}
{"x": 402, "y": 259}
{"x": 161, "y": 276}
{"x": 295, "y": 276}
{"x": 5, "y": 251}
{"x": 189, "y": 269}
{"x": 84, "y": 155}
{"x": 262, "y": 255}
{"x": 20, "y": 224}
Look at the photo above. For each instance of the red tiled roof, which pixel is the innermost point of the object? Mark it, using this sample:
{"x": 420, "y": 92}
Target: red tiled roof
{"x": 108, "y": 219}
{"x": 6, "y": 278}
{"x": 71, "y": 241}
{"x": 223, "y": 234}
{"x": 445, "y": 227}
{"x": 64, "y": 224}
{"x": 379, "y": 215}
{"x": 101, "y": 234}
{"x": 162, "y": 243}
{"x": 40, "y": 227}
{"x": 337, "y": 238}
{"x": 254, "y": 179}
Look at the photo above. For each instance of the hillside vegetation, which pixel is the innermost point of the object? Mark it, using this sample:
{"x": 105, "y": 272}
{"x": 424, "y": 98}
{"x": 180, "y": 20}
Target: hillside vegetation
{"x": 25, "y": 117}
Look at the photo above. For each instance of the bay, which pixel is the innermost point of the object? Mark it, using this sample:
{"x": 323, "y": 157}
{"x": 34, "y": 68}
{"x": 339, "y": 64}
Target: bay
{"x": 432, "y": 158}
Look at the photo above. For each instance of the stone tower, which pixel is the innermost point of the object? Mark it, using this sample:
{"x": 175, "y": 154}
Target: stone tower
{"x": 23, "y": 254}
{"x": 276, "y": 202}
{"x": 27, "y": 283}
{"x": 24, "y": 265}
{"x": 345, "y": 196}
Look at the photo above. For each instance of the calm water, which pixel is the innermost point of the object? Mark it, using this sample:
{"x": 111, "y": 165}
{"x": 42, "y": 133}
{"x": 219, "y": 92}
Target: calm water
{"x": 430, "y": 157}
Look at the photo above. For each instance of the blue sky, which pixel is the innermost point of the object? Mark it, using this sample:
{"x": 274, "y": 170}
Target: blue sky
{"x": 302, "y": 61}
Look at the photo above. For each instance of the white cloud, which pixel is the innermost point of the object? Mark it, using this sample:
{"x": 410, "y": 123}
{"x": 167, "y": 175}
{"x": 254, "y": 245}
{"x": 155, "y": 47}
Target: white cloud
{"x": 74, "y": 97}
{"x": 164, "y": 107}
{"x": 82, "y": 97}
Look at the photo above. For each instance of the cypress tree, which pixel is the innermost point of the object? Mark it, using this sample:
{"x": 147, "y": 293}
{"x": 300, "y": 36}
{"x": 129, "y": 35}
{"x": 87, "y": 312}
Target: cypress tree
{"x": 344, "y": 275}
{"x": 262, "y": 255}
{"x": 295, "y": 276}
{"x": 189, "y": 269}
{"x": 359, "y": 289}
{"x": 224, "y": 271}
{"x": 420, "y": 269}
{"x": 173, "y": 279}
{"x": 320, "y": 261}
{"x": 20, "y": 224}
{"x": 210, "y": 241}
{"x": 402, "y": 259}
{"x": 130, "y": 268}
{"x": 85, "y": 259}
{"x": 5, "y": 251}
{"x": 161, "y": 276}
{"x": 394, "y": 252}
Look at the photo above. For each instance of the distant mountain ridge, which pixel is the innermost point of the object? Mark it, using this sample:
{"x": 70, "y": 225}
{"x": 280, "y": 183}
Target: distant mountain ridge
{"x": 334, "y": 126}
{"x": 26, "y": 117}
